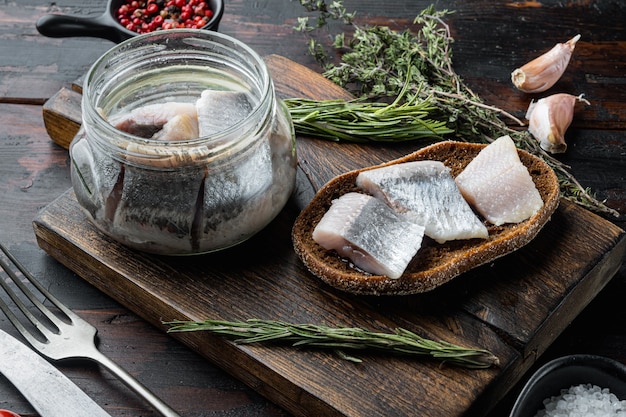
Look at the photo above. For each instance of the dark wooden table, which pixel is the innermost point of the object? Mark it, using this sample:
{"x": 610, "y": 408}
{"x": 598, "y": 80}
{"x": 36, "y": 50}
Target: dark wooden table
{"x": 492, "y": 38}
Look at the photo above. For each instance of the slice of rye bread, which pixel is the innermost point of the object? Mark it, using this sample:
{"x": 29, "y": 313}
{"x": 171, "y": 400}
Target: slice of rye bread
{"x": 434, "y": 264}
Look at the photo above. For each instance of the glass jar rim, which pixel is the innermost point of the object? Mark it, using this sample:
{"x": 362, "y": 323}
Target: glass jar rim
{"x": 189, "y": 36}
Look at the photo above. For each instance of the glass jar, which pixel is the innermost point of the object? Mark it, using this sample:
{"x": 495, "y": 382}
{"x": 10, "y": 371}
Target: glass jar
{"x": 182, "y": 193}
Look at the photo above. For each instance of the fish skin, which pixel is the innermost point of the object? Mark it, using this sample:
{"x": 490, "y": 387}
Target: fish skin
{"x": 426, "y": 193}
{"x": 146, "y": 120}
{"x": 382, "y": 247}
{"x": 498, "y": 185}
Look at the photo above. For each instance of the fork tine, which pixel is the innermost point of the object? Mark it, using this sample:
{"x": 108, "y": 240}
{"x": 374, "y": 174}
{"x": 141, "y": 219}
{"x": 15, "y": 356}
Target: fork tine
{"x": 41, "y": 327}
{"x": 68, "y": 313}
{"x": 11, "y": 316}
{"x": 36, "y": 343}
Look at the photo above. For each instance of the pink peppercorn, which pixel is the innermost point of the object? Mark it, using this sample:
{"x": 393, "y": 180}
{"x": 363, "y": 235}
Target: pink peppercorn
{"x": 152, "y": 8}
{"x": 143, "y": 16}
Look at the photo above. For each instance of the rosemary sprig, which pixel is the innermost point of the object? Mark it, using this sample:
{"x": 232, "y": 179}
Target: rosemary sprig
{"x": 361, "y": 121}
{"x": 401, "y": 342}
{"x": 378, "y": 63}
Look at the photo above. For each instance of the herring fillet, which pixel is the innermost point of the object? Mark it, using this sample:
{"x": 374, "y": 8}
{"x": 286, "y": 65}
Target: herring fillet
{"x": 219, "y": 110}
{"x": 146, "y": 120}
{"x": 425, "y": 192}
{"x": 498, "y": 185}
{"x": 369, "y": 233}
{"x": 179, "y": 127}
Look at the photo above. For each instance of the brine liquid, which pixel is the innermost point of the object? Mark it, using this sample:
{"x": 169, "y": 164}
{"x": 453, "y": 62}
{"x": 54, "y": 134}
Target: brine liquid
{"x": 149, "y": 199}
{"x": 177, "y": 84}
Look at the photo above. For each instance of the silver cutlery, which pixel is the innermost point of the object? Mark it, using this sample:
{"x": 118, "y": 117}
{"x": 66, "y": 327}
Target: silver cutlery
{"x": 67, "y": 338}
{"x": 50, "y": 392}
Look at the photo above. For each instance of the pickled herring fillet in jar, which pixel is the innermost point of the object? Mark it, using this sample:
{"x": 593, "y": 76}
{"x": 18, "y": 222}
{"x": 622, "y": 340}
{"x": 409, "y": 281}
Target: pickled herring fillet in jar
{"x": 208, "y": 205}
{"x": 218, "y": 110}
{"x": 179, "y": 127}
{"x": 213, "y": 112}
{"x": 170, "y": 193}
{"x": 146, "y": 121}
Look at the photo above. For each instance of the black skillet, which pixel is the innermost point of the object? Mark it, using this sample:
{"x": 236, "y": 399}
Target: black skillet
{"x": 106, "y": 26}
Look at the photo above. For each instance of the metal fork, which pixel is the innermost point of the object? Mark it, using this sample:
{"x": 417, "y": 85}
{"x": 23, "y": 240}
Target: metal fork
{"x": 68, "y": 338}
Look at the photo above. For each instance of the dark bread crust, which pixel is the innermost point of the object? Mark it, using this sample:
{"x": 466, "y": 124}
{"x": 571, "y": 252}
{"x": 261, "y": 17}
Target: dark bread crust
{"x": 434, "y": 264}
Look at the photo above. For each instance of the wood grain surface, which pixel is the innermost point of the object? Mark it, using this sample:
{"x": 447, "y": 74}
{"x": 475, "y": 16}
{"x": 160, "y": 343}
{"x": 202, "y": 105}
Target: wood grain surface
{"x": 491, "y": 39}
{"x": 514, "y": 306}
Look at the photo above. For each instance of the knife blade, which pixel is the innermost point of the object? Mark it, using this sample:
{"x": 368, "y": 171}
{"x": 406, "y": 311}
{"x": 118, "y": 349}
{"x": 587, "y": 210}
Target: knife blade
{"x": 49, "y": 391}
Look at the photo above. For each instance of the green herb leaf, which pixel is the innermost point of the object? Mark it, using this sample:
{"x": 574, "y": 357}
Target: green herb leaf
{"x": 340, "y": 339}
{"x": 379, "y": 63}
{"x": 360, "y": 121}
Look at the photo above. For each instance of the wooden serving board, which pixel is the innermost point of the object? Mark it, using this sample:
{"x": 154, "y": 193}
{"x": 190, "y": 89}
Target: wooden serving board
{"x": 514, "y": 307}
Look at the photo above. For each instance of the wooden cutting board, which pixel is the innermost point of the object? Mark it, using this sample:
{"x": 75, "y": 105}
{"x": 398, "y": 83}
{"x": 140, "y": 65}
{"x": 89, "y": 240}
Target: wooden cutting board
{"x": 515, "y": 307}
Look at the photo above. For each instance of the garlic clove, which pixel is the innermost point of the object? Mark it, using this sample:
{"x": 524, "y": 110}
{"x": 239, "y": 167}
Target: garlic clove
{"x": 544, "y": 71}
{"x": 549, "y": 118}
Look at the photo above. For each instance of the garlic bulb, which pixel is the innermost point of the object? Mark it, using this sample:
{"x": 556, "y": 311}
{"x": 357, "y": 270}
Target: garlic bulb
{"x": 549, "y": 118}
{"x": 544, "y": 71}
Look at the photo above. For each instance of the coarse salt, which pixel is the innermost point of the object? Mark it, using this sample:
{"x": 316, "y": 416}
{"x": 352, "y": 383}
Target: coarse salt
{"x": 585, "y": 400}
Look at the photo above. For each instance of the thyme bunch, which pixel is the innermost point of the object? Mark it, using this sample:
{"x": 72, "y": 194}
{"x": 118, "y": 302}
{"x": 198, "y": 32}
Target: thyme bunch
{"x": 340, "y": 339}
{"x": 325, "y": 14}
{"x": 377, "y": 63}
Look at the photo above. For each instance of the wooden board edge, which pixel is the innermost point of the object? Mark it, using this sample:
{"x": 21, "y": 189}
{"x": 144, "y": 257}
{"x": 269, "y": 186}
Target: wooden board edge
{"x": 62, "y": 116}
{"x": 573, "y": 304}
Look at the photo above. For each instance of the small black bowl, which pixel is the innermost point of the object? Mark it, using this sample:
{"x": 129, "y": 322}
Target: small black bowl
{"x": 562, "y": 373}
{"x": 106, "y": 26}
